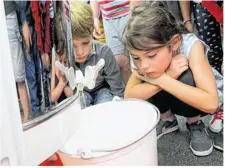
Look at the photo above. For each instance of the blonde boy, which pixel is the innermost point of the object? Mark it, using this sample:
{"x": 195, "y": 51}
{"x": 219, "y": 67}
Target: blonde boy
{"x": 88, "y": 52}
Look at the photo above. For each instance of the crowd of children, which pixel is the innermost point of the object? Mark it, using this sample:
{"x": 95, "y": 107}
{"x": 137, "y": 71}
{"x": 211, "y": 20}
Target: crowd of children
{"x": 169, "y": 54}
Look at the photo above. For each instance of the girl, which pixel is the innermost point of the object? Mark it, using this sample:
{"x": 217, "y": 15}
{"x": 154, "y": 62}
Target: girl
{"x": 59, "y": 84}
{"x": 172, "y": 72}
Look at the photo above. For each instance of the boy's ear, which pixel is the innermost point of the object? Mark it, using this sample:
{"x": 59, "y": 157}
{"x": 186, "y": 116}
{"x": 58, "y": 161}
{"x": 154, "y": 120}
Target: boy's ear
{"x": 175, "y": 42}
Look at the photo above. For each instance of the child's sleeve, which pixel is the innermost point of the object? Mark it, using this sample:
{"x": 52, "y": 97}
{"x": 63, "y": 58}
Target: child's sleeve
{"x": 112, "y": 72}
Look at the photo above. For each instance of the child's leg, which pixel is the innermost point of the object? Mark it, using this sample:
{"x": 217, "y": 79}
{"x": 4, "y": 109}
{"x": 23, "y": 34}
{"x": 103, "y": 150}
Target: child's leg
{"x": 31, "y": 72}
{"x": 216, "y": 122}
{"x": 87, "y": 98}
{"x": 123, "y": 59}
{"x": 168, "y": 122}
{"x": 162, "y": 102}
{"x": 102, "y": 95}
{"x": 200, "y": 142}
{"x": 113, "y": 29}
{"x": 180, "y": 108}
{"x": 24, "y": 99}
{"x": 17, "y": 55}
{"x": 218, "y": 141}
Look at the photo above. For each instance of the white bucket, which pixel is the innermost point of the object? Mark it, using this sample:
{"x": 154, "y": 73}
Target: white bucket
{"x": 114, "y": 133}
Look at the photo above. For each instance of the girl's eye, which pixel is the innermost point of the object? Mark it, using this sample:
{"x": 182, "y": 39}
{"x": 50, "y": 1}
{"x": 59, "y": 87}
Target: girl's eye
{"x": 152, "y": 56}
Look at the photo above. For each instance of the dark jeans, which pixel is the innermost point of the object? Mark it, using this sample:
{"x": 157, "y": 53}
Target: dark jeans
{"x": 33, "y": 74}
{"x": 164, "y": 101}
{"x": 100, "y": 96}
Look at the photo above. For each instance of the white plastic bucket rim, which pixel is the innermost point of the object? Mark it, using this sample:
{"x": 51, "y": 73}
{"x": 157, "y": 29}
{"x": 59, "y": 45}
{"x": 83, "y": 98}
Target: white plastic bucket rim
{"x": 89, "y": 153}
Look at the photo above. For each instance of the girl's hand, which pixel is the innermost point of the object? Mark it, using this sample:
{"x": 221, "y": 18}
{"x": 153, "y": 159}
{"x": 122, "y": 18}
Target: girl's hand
{"x": 63, "y": 80}
{"x": 178, "y": 65}
{"x": 61, "y": 77}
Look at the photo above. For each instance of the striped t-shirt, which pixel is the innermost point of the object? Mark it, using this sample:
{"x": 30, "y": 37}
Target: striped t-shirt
{"x": 114, "y": 8}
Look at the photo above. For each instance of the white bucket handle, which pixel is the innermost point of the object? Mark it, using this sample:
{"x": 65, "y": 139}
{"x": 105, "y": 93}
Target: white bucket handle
{"x": 86, "y": 154}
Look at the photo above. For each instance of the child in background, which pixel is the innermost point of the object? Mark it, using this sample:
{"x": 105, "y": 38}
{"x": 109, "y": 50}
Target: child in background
{"x": 172, "y": 72}
{"x": 88, "y": 52}
{"x": 15, "y": 43}
{"x": 114, "y": 14}
{"x": 59, "y": 84}
{"x": 208, "y": 28}
{"x": 32, "y": 61}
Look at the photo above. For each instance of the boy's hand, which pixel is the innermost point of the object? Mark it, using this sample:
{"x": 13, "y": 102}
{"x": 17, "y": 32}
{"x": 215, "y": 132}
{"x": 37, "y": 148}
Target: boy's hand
{"x": 178, "y": 65}
{"x": 97, "y": 33}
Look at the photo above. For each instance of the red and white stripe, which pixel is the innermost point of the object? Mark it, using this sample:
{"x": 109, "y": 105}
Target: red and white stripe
{"x": 114, "y": 8}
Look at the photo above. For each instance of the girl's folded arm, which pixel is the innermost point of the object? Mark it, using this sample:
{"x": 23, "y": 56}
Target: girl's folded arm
{"x": 135, "y": 88}
{"x": 204, "y": 96}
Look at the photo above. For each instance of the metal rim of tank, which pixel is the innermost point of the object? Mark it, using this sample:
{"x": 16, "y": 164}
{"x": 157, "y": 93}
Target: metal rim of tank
{"x": 51, "y": 112}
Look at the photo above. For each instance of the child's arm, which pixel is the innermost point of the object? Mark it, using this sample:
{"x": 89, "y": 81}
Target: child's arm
{"x": 96, "y": 12}
{"x": 53, "y": 74}
{"x": 204, "y": 96}
{"x": 68, "y": 91}
{"x": 135, "y": 88}
{"x": 112, "y": 72}
{"x": 95, "y": 8}
{"x": 185, "y": 10}
{"x": 56, "y": 91}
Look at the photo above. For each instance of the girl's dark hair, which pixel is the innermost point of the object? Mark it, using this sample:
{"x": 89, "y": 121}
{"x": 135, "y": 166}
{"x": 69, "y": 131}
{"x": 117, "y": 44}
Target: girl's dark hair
{"x": 150, "y": 25}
